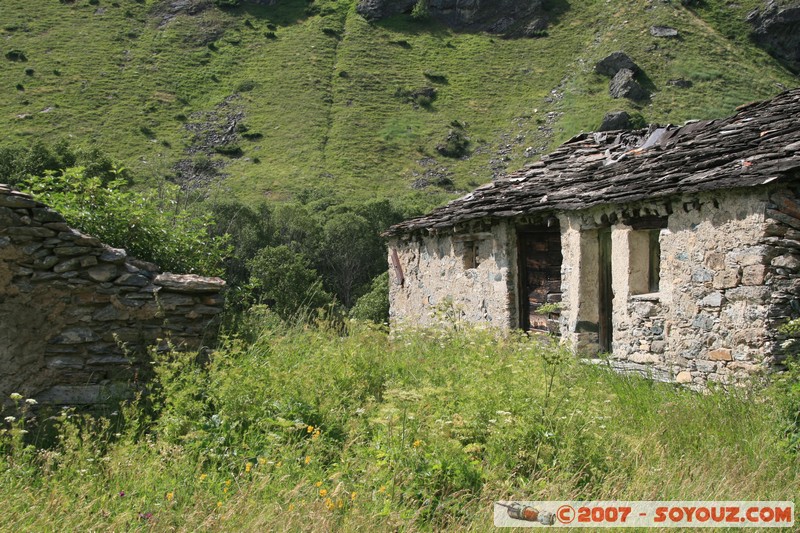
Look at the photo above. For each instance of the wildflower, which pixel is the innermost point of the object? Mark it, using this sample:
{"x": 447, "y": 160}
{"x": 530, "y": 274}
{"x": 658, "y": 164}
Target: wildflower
{"x": 323, "y": 492}
{"x": 308, "y": 459}
{"x": 417, "y": 443}
{"x": 339, "y": 504}
{"x": 219, "y": 504}
{"x": 203, "y": 477}
{"x": 329, "y": 504}
{"x": 10, "y": 419}
{"x": 145, "y": 516}
{"x": 227, "y": 482}
{"x": 31, "y": 401}
{"x": 122, "y": 494}
{"x": 279, "y": 464}
{"x": 225, "y": 490}
{"x": 15, "y": 396}
{"x": 262, "y": 461}
{"x": 316, "y": 435}
{"x": 353, "y": 496}
{"x": 310, "y": 429}
{"x": 382, "y": 489}
{"x": 170, "y": 496}
{"x": 318, "y": 484}
{"x": 248, "y": 467}
{"x": 291, "y": 507}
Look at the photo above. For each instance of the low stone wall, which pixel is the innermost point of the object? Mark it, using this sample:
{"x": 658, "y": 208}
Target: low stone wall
{"x": 77, "y": 316}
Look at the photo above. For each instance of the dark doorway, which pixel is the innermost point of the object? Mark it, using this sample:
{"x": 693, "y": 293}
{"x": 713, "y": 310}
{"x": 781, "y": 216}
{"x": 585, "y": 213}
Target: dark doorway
{"x": 540, "y": 277}
{"x": 605, "y": 323}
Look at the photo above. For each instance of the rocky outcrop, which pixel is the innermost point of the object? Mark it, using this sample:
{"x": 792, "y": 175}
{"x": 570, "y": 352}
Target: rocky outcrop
{"x": 616, "y": 120}
{"x": 499, "y": 16}
{"x": 624, "y": 85}
{"x": 614, "y": 62}
{"x": 77, "y": 317}
{"x": 776, "y": 28}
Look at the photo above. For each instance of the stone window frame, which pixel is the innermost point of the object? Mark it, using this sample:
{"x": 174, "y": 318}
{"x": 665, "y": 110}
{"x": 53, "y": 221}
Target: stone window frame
{"x": 644, "y": 255}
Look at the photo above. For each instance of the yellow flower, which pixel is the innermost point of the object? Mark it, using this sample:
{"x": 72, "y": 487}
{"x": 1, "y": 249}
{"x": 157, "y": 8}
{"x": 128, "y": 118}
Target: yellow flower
{"x": 219, "y": 504}
{"x": 323, "y": 492}
{"x": 310, "y": 429}
{"x": 308, "y": 459}
{"x": 279, "y": 464}
{"x": 170, "y": 495}
{"x": 382, "y": 489}
{"x": 329, "y": 504}
{"x": 225, "y": 490}
{"x": 318, "y": 484}
{"x": 203, "y": 477}
{"x": 339, "y": 504}
{"x": 227, "y": 482}
{"x": 417, "y": 443}
{"x": 353, "y": 496}
{"x": 316, "y": 434}
{"x": 291, "y": 507}
{"x": 248, "y": 467}
{"x": 262, "y": 461}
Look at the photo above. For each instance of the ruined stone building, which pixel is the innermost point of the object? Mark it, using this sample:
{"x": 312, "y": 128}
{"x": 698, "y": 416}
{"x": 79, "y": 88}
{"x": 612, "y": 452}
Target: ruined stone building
{"x": 673, "y": 249}
{"x": 77, "y": 317}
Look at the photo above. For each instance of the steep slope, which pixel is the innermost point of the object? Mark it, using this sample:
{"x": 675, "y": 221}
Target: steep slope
{"x": 271, "y": 101}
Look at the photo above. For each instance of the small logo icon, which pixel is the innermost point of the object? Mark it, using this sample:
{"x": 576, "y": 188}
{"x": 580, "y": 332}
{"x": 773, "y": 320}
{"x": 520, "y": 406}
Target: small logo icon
{"x": 517, "y": 511}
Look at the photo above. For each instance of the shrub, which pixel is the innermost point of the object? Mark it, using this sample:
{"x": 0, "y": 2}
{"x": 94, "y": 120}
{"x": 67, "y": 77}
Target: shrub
{"x": 420, "y": 10}
{"x": 150, "y": 226}
{"x": 287, "y": 282}
{"x": 374, "y": 305}
{"x": 456, "y": 143}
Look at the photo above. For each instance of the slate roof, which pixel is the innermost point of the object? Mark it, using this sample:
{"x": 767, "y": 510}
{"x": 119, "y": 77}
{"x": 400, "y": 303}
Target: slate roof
{"x": 760, "y": 144}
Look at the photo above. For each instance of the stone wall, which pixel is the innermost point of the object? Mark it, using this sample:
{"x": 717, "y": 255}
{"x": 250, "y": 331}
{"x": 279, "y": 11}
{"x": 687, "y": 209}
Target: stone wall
{"x": 720, "y": 299}
{"x": 466, "y": 275}
{"x": 728, "y": 280}
{"x": 77, "y": 316}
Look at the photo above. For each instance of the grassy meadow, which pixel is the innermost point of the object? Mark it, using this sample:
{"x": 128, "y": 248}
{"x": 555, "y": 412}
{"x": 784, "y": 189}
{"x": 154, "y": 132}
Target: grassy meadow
{"x": 305, "y": 429}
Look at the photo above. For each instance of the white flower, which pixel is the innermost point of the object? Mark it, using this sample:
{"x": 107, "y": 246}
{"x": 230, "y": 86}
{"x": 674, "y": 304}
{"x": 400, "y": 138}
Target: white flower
{"x": 31, "y": 401}
{"x": 16, "y": 396}
{"x": 10, "y": 419}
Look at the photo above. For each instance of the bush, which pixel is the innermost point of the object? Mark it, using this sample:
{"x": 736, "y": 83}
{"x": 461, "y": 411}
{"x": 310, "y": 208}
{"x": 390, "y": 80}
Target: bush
{"x": 374, "y": 305}
{"x": 150, "y": 226}
{"x": 420, "y": 10}
{"x": 287, "y": 282}
{"x": 16, "y": 55}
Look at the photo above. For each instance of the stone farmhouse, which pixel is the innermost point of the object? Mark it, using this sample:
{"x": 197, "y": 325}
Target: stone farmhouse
{"x": 673, "y": 249}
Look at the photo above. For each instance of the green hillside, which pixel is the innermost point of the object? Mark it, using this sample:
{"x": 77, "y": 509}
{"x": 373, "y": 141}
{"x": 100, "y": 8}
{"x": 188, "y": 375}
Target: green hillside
{"x": 277, "y": 100}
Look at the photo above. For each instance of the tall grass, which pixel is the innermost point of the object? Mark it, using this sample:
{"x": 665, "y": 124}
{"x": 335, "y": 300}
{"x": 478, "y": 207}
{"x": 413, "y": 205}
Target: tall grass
{"x": 304, "y": 429}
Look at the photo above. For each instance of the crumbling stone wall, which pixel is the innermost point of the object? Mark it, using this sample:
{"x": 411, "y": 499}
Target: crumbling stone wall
{"x": 429, "y": 279}
{"x": 77, "y": 316}
{"x": 727, "y": 265}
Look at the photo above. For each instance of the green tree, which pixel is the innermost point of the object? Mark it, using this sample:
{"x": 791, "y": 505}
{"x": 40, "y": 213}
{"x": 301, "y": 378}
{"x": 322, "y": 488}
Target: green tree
{"x": 287, "y": 282}
{"x": 374, "y": 305}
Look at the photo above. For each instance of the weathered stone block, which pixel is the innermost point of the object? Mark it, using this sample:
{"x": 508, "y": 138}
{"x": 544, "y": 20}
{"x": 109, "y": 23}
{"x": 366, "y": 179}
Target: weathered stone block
{"x": 720, "y": 354}
{"x": 754, "y": 274}
{"x": 715, "y": 299}
{"x": 113, "y": 255}
{"x": 788, "y": 261}
{"x": 65, "y": 361}
{"x": 189, "y": 283}
{"x": 727, "y": 279}
{"x": 102, "y": 273}
{"x": 683, "y": 377}
{"x": 70, "y": 250}
{"x": 75, "y": 336}
{"x": 65, "y": 266}
{"x": 132, "y": 280}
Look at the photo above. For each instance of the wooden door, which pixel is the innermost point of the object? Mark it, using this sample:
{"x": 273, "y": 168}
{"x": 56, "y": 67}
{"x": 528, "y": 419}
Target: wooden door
{"x": 540, "y": 277}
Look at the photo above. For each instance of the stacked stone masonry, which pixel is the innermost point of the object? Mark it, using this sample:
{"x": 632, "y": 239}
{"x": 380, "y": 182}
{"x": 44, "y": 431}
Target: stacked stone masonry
{"x": 78, "y": 317}
{"x": 728, "y": 281}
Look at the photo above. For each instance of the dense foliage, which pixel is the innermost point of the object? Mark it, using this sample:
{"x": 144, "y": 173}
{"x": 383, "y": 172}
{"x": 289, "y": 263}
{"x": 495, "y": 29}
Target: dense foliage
{"x": 307, "y": 430}
{"x": 154, "y": 226}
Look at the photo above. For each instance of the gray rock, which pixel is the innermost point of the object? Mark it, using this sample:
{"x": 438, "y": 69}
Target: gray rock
{"x": 776, "y": 28}
{"x": 615, "y": 62}
{"x": 75, "y": 336}
{"x": 615, "y": 120}
{"x": 623, "y": 85}
{"x": 132, "y": 280}
{"x": 188, "y": 283}
{"x": 680, "y": 83}
{"x": 113, "y": 255}
{"x": 102, "y": 273}
{"x": 663, "y": 31}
